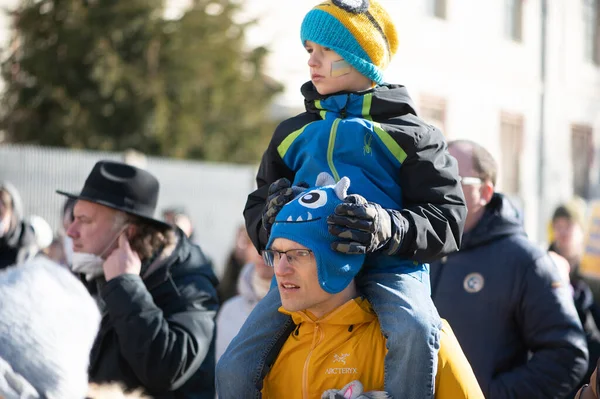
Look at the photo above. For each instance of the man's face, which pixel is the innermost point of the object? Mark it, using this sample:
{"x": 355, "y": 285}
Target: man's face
{"x": 568, "y": 237}
{"x": 93, "y": 228}
{"x": 169, "y": 217}
{"x": 472, "y": 185}
{"x": 330, "y": 73}
{"x": 185, "y": 224}
{"x": 5, "y": 212}
{"x": 299, "y": 284}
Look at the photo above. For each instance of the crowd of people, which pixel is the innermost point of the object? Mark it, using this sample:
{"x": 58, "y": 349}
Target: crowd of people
{"x": 377, "y": 260}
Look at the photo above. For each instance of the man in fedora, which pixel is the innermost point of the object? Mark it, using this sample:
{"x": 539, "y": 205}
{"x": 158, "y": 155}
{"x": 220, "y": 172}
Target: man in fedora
{"x": 155, "y": 289}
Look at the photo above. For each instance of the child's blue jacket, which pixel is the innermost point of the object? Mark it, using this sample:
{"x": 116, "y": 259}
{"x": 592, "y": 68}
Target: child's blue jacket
{"x": 391, "y": 156}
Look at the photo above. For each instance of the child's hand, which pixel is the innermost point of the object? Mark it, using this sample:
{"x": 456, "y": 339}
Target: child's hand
{"x": 363, "y": 226}
{"x": 281, "y": 192}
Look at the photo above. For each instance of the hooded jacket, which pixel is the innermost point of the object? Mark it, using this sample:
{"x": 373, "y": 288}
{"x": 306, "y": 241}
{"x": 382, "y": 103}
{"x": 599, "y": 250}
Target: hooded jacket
{"x": 392, "y": 157}
{"x": 18, "y": 244}
{"x": 346, "y": 345}
{"x": 157, "y": 333}
{"x": 505, "y": 301}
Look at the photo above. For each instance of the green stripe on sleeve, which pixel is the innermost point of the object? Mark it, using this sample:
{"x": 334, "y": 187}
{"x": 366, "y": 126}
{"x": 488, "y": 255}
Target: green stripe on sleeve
{"x": 287, "y": 142}
{"x": 390, "y": 143}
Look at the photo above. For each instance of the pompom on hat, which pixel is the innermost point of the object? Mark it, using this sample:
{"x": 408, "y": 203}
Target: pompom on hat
{"x": 304, "y": 220}
{"x": 361, "y": 31}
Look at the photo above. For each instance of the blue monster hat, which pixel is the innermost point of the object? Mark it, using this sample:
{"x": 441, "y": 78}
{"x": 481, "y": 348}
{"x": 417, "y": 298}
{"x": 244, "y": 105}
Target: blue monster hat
{"x": 304, "y": 220}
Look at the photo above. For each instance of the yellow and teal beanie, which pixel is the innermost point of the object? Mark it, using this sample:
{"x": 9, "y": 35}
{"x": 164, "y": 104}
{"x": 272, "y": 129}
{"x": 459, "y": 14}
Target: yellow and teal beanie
{"x": 361, "y": 31}
{"x": 304, "y": 220}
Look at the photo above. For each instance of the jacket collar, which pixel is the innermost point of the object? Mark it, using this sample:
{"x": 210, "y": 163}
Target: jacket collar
{"x": 355, "y": 311}
{"x": 158, "y": 269}
{"x": 501, "y": 218}
{"x": 383, "y": 101}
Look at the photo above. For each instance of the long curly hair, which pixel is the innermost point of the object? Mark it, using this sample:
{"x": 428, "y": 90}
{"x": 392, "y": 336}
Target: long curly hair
{"x": 148, "y": 237}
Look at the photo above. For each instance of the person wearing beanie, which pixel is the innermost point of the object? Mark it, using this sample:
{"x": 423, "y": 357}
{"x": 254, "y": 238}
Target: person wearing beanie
{"x": 319, "y": 292}
{"x": 48, "y": 323}
{"x": 568, "y": 227}
{"x": 357, "y": 125}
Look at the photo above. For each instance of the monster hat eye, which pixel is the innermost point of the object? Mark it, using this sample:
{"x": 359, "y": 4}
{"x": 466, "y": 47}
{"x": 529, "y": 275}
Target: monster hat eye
{"x": 314, "y": 199}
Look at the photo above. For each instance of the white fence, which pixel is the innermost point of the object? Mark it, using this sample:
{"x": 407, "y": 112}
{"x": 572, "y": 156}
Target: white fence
{"x": 212, "y": 194}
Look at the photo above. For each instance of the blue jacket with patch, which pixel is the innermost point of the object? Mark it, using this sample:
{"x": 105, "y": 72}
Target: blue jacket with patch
{"x": 513, "y": 317}
{"x": 391, "y": 156}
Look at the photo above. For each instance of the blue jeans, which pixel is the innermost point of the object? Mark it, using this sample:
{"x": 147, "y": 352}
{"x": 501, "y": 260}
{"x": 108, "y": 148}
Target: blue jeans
{"x": 408, "y": 320}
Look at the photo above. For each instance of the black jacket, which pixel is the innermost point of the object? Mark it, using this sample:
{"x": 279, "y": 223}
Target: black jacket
{"x": 505, "y": 301}
{"x": 391, "y": 156}
{"x": 17, "y": 246}
{"x": 159, "y": 333}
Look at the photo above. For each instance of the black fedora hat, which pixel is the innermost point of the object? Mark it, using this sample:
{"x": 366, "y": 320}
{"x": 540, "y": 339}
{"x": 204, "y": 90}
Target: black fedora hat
{"x": 123, "y": 187}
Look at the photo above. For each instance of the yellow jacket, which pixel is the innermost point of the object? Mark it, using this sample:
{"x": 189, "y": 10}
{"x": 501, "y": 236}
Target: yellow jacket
{"x": 346, "y": 345}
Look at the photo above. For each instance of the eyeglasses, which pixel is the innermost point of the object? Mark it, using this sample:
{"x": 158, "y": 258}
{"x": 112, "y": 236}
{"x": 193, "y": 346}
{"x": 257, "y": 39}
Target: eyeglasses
{"x": 295, "y": 257}
{"x": 470, "y": 181}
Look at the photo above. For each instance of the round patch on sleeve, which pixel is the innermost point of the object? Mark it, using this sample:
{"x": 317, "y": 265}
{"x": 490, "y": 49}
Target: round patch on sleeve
{"x": 473, "y": 283}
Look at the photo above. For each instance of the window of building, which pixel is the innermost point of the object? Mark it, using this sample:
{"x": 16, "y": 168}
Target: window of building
{"x": 436, "y": 8}
{"x": 591, "y": 27}
{"x": 582, "y": 156}
{"x": 511, "y": 147}
{"x": 433, "y": 111}
{"x": 513, "y": 20}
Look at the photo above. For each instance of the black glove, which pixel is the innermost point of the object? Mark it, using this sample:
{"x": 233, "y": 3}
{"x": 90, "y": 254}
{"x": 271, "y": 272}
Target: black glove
{"x": 280, "y": 193}
{"x": 364, "y": 227}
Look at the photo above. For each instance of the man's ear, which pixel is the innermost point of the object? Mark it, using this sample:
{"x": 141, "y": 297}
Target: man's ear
{"x": 130, "y": 231}
{"x": 487, "y": 191}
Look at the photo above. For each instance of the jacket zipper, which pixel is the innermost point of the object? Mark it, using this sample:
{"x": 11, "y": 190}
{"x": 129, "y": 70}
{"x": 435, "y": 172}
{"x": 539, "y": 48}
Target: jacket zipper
{"x": 330, "y": 148}
{"x": 332, "y": 136}
{"x": 317, "y": 337}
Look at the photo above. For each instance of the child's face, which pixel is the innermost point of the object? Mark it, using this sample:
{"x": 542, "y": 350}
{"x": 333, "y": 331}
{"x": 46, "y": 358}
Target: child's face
{"x": 330, "y": 73}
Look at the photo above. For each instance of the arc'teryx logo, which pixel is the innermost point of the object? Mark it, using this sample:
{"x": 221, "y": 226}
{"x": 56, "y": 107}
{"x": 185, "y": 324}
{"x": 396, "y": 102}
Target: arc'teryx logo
{"x": 340, "y": 358}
